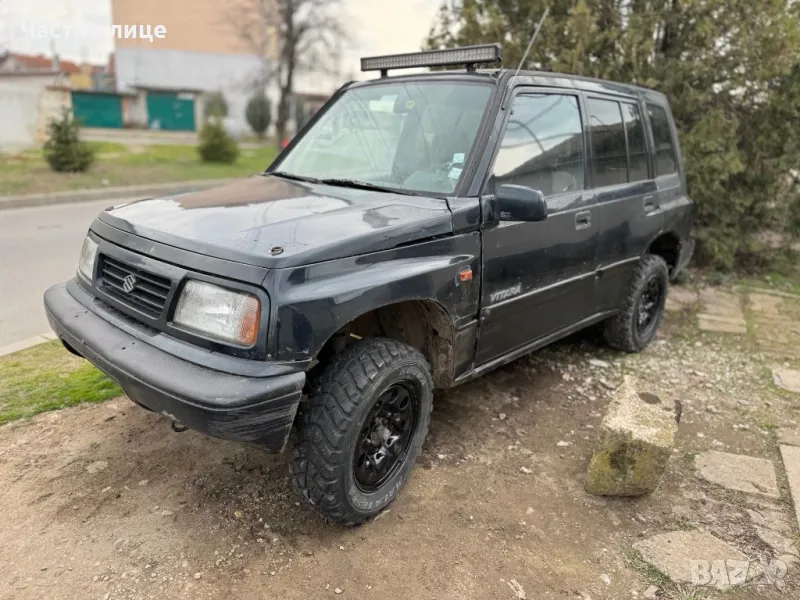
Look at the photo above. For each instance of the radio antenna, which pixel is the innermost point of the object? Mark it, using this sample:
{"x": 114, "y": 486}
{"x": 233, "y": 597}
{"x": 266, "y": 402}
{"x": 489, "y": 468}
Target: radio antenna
{"x": 533, "y": 39}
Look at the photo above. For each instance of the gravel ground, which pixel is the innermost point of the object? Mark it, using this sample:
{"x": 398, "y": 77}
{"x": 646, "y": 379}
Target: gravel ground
{"x": 105, "y": 501}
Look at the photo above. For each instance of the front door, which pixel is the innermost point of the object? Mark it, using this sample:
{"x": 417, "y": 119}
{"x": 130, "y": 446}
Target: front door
{"x": 538, "y": 278}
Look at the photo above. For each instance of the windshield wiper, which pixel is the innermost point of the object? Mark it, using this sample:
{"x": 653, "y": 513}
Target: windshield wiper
{"x": 365, "y": 185}
{"x": 294, "y": 177}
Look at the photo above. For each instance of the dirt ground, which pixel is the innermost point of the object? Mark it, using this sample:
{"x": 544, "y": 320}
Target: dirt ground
{"x": 105, "y": 501}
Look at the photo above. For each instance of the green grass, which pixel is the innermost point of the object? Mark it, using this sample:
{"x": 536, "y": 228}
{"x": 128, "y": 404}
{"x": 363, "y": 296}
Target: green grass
{"x": 47, "y": 377}
{"x": 646, "y": 571}
{"x": 118, "y": 165}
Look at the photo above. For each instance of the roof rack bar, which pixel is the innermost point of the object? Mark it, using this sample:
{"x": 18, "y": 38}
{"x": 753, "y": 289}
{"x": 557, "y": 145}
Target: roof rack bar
{"x": 470, "y": 56}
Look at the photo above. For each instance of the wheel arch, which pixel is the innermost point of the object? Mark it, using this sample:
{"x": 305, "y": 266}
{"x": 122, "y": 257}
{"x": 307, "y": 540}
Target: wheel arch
{"x": 667, "y": 245}
{"x": 423, "y": 324}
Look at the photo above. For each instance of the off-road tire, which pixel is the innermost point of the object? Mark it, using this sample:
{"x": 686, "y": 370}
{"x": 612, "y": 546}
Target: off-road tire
{"x": 621, "y": 330}
{"x": 327, "y": 428}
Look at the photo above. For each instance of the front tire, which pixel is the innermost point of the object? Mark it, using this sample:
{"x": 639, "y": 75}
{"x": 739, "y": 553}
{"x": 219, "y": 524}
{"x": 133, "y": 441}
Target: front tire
{"x": 635, "y": 326}
{"x": 362, "y": 431}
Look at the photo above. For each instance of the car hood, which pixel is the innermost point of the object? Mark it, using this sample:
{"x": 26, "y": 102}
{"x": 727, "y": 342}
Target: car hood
{"x": 272, "y": 222}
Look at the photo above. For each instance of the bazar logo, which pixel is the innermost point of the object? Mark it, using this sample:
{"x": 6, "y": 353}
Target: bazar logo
{"x": 728, "y": 573}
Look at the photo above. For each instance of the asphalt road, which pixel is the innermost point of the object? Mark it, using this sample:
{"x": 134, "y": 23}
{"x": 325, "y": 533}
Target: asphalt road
{"x": 38, "y": 247}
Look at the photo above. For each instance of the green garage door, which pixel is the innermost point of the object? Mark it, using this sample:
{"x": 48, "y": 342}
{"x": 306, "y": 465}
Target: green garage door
{"x": 97, "y": 110}
{"x": 170, "y": 112}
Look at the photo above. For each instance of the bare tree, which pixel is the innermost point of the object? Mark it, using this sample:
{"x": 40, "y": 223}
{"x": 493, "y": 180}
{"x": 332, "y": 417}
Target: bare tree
{"x": 290, "y": 36}
{"x": 5, "y": 34}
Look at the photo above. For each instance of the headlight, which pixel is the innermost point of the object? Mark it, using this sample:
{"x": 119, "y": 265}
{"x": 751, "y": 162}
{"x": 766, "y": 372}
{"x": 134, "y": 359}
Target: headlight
{"x": 88, "y": 257}
{"x": 219, "y": 313}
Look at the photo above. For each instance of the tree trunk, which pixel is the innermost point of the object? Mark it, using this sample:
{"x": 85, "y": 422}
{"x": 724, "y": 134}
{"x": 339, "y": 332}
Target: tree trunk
{"x": 283, "y": 115}
{"x": 287, "y": 82}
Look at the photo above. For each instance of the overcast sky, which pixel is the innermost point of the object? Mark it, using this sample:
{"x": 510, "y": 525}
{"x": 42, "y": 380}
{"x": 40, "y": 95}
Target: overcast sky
{"x": 376, "y": 26}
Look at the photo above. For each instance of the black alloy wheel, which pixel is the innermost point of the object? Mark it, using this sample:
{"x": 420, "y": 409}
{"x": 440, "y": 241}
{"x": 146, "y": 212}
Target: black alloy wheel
{"x": 385, "y": 437}
{"x": 650, "y": 305}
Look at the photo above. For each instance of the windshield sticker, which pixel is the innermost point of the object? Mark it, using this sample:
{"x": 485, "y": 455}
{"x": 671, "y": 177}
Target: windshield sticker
{"x": 455, "y": 173}
{"x": 458, "y": 158}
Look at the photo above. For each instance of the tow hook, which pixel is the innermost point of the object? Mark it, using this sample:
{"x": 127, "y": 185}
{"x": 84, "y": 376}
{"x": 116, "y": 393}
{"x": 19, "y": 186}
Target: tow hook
{"x": 177, "y": 427}
{"x": 174, "y": 423}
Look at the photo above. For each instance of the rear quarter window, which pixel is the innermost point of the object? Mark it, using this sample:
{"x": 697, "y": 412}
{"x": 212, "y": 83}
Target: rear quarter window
{"x": 666, "y": 161}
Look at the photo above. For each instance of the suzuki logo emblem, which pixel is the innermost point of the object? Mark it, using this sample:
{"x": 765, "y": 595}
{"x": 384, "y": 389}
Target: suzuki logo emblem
{"x": 129, "y": 283}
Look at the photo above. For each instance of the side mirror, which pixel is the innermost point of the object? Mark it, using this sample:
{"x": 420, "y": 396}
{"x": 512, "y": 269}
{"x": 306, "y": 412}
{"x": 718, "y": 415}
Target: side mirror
{"x": 519, "y": 203}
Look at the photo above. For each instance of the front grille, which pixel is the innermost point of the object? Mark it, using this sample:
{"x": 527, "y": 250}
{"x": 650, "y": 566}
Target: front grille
{"x": 149, "y": 293}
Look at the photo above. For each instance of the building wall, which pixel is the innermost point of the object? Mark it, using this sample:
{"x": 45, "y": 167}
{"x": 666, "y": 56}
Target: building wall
{"x": 192, "y": 25}
{"x": 53, "y": 101}
{"x": 24, "y": 109}
{"x": 80, "y": 81}
{"x": 232, "y": 74}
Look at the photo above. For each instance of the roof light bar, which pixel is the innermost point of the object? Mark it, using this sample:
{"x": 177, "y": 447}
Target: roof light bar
{"x": 470, "y": 56}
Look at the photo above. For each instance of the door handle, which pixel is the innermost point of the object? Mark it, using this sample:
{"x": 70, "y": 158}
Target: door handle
{"x": 583, "y": 220}
{"x": 649, "y": 203}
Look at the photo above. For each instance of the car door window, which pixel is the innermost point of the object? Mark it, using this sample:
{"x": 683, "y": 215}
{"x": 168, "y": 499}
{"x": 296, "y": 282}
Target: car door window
{"x": 637, "y": 146}
{"x": 542, "y": 147}
{"x": 608, "y": 142}
{"x": 662, "y": 138}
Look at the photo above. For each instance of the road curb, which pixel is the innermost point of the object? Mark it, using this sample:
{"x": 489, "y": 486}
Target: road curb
{"x": 108, "y": 193}
{"x": 28, "y": 343}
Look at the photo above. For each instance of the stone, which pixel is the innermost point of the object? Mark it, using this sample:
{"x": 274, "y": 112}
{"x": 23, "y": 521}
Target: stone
{"x": 722, "y": 312}
{"x": 637, "y": 436}
{"x": 765, "y": 304}
{"x": 789, "y": 437}
{"x": 679, "y": 553}
{"x": 680, "y": 298}
{"x": 769, "y": 518}
{"x": 600, "y": 364}
{"x": 721, "y": 303}
{"x": 778, "y": 542}
{"x": 650, "y": 593}
{"x": 788, "y": 379}
{"x": 791, "y": 462}
{"x": 96, "y": 466}
{"x": 718, "y": 324}
{"x": 738, "y": 472}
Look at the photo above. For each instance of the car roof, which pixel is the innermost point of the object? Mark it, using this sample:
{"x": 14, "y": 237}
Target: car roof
{"x": 529, "y": 77}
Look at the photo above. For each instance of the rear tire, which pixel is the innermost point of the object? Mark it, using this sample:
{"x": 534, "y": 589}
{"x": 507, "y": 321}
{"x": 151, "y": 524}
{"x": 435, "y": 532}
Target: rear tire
{"x": 361, "y": 433}
{"x": 635, "y": 326}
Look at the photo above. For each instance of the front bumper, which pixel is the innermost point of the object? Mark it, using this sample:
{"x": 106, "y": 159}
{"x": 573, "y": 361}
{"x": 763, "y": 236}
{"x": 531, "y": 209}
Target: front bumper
{"x": 258, "y": 410}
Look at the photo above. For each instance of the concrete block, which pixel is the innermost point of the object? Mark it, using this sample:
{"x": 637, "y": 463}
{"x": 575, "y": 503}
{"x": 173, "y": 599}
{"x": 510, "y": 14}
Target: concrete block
{"x": 636, "y": 440}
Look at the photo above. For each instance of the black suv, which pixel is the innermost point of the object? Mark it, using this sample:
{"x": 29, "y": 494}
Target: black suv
{"x": 419, "y": 232}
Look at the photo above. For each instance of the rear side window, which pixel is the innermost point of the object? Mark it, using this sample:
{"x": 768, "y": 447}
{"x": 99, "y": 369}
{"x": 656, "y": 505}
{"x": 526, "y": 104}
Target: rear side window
{"x": 542, "y": 147}
{"x": 608, "y": 142}
{"x": 662, "y": 137}
{"x": 637, "y": 146}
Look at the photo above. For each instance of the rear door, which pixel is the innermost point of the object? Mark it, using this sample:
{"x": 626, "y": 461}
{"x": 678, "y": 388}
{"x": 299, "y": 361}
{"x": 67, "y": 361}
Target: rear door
{"x": 627, "y": 196}
{"x": 538, "y": 277}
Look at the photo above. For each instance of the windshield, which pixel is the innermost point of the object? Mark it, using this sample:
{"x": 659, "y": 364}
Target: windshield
{"x": 411, "y": 136}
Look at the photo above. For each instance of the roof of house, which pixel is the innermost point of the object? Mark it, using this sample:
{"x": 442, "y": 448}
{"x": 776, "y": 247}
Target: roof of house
{"x": 39, "y": 62}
